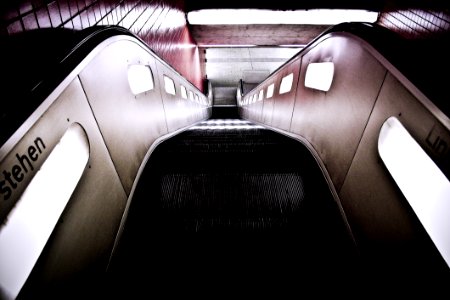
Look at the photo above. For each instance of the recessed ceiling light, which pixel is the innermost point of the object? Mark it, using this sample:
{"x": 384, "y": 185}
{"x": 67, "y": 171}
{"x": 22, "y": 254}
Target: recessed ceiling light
{"x": 260, "y": 16}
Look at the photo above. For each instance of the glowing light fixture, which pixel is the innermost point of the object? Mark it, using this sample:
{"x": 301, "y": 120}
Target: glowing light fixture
{"x": 261, "y": 95}
{"x": 270, "y": 89}
{"x": 169, "y": 85}
{"x": 421, "y": 181}
{"x": 286, "y": 83}
{"x": 140, "y": 79}
{"x": 183, "y": 92}
{"x": 225, "y": 124}
{"x": 260, "y": 16}
{"x": 319, "y": 76}
{"x": 32, "y": 220}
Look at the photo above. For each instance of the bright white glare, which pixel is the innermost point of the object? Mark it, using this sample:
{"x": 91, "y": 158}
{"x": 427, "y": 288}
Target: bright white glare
{"x": 421, "y": 181}
{"x": 319, "y": 76}
{"x": 292, "y": 46}
{"x": 169, "y": 85}
{"x": 183, "y": 92}
{"x": 228, "y": 45}
{"x": 140, "y": 78}
{"x": 225, "y": 122}
{"x": 261, "y": 95}
{"x": 260, "y": 16}
{"x": 270, "y": 89}
{"x": 32, "y": 220}
{"x": 191, "y": 95}
{"x": 227, "y": 127}
{"x": 286, "y": 84}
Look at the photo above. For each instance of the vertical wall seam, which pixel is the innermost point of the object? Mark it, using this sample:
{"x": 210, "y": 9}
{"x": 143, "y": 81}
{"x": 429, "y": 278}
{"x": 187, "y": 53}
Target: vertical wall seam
{"x": 363, "y": 131}
{"x": 101, "y": 133}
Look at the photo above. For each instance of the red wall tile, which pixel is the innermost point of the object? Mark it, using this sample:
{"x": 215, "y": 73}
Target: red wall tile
{"x": 160, "y": 23}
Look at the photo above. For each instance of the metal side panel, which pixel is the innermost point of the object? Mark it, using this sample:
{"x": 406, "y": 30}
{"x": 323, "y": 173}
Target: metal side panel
{"x": 284, "y": 103}
{"x": 334, "y": 121}
{"x": 255, "y": 108}
{"x": 268, "y": 111}
{"x": 129, "y": 123}
{"x": 80, "y": 244}
{"x": 382, "y": 221}
{"x": 178, "y": 111}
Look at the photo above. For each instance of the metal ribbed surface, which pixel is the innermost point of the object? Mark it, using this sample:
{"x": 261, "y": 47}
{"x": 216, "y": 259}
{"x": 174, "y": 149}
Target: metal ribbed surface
{"x": 240, "y": 201}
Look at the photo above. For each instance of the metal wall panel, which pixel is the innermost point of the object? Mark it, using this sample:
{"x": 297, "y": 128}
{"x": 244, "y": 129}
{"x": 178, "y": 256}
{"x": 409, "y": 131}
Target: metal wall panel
{"x": 334, "y": 121}
{"x": 376, "y": 209}
{"x": 82, "y": 240}
{"x": 268, "y": 105}
{"x": 129, "y": 123}
{"x": 284, "y": 103}
{"x": 179, "y": 112}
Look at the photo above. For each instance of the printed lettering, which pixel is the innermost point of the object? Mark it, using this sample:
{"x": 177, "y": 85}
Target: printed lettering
{"x": 32, "y": 153}
{"x": 8, "y": 178}
{"x": 428, "y": 139}
{"x": 5, "y": 190}
{"x": 435, "y": 142}
{"x": 21, "y": 159}
{"x": 17, "y": 173}
{"x": 36, "y": 143}
{"x": 441, "y": 147}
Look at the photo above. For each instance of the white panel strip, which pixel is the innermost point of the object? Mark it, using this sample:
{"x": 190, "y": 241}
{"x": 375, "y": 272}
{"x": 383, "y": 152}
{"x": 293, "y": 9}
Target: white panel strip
{"x": 421, "y": 181}
{"x": 32, "y": 220}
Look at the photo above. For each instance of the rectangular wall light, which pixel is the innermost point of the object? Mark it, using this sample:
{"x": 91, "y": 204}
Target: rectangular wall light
{"x": 421, "y": 181}
{"x": 319, "y": 76}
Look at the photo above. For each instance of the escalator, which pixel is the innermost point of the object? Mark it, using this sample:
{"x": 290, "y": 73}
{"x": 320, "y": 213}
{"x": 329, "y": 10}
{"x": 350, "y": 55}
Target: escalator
{"x": 228, "y": 204}
{"x": 221, "y": 206}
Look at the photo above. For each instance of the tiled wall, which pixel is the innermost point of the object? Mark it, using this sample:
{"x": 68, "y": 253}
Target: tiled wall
{"x": 417, "y": 24}
{"x": 160, "y": 23}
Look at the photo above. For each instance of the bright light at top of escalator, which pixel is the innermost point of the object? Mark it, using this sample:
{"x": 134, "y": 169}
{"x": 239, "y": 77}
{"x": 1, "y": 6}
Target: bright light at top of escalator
{"x": 225, "y": 124}
{"x": 260, "y": 16}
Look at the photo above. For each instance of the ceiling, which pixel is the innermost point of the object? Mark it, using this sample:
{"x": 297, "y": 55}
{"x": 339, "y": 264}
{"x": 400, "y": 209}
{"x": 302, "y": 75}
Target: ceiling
{"x": 272, "y": 35}
{"x": 256, "y": 34}
{"x": 227, "y": 66}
